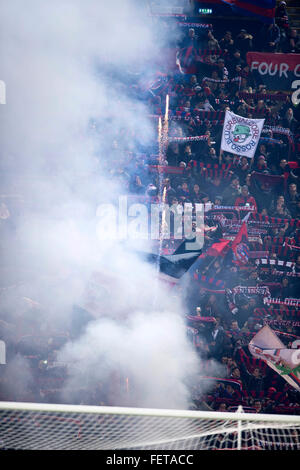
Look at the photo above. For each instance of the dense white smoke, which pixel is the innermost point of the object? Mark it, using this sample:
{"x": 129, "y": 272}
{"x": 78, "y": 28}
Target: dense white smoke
{"x": 56, "y": 60}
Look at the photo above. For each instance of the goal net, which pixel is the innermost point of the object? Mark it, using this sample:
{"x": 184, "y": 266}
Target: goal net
{"x": 55, "y": 427}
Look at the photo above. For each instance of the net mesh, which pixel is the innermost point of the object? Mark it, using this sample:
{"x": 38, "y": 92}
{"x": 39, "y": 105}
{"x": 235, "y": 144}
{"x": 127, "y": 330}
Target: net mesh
{"x": 53, "y": 427}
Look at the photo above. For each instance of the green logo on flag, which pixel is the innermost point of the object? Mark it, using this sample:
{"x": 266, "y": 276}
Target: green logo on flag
{"x": 241, "y": 133}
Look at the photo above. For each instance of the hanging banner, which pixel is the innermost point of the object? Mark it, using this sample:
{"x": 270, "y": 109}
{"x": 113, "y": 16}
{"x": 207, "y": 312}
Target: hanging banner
{"x": 241, "y": 134}
{"x": 276, "y": 71}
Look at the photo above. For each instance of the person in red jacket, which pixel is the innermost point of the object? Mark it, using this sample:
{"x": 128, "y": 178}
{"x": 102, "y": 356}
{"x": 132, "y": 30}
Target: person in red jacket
{"x": 245, "y": 198}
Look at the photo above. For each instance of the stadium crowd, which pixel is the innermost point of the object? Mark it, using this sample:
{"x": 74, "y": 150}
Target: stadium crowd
{"x": 225, "y": 300}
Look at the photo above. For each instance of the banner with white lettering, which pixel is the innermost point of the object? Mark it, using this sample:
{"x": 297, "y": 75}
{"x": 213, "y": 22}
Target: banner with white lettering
{"x": 241, "y": 134}
{"x": 276, "y": 71}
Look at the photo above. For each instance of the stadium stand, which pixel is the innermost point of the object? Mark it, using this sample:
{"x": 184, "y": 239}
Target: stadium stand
{"x": 210, "y": 71}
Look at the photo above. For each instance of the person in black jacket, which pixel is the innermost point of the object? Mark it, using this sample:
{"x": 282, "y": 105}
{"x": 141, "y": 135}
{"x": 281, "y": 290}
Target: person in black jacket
{"x": 232, "y": 191}
{"x": 270, "y": 37}
{"x": 289, "y": 121}
{"x": 243, "y": 42}
{"x": 216, "y": 339}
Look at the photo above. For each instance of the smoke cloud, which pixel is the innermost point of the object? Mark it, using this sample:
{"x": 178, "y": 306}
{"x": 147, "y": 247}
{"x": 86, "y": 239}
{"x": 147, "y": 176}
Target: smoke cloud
{"x": 57, "y": 60}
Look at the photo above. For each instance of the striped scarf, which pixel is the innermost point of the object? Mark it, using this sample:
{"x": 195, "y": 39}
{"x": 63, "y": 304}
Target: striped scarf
{"x": 288, "y": 302}
{"x": 275, "y": 262}
{"x": 262, "y": 312}
{"x": 210, "y": 284}
{"x": 198, "y": 115}
{"x": 215, "y": 170}
{"x": 251, "y": 290}
{"x": 194, "y": 25}
{"x": 282, "y": 323}
{"x": 263, "y": 96}
{"x": 216, "y": 80}
{"x": 273, "y": 221}
{"x": 270, "y": 141}
{"x": 197, "y": 138}
{"x": 275, "y": 272}
{"x": 281, "y": 250}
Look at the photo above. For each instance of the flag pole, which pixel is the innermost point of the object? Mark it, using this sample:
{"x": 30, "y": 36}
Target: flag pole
{"x": 159, "y": 139}
{"x": 165, "y": 128}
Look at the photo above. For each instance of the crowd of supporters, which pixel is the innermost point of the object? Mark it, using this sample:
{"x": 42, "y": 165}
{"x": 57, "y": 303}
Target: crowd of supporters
{"x": 210, "y": 75}
{"x": 213, "y": 76}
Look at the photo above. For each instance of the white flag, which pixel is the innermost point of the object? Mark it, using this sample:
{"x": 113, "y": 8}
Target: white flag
{"x": 241, "y": 134}
{"x": 267, "y": 346}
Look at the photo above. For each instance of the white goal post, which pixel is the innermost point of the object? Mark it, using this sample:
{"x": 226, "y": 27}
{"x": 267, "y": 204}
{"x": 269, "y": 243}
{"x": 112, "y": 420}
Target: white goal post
{"x": 34, "y": 426}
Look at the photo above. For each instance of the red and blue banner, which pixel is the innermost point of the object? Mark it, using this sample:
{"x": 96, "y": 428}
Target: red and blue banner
{"x": 264, "y": 10}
